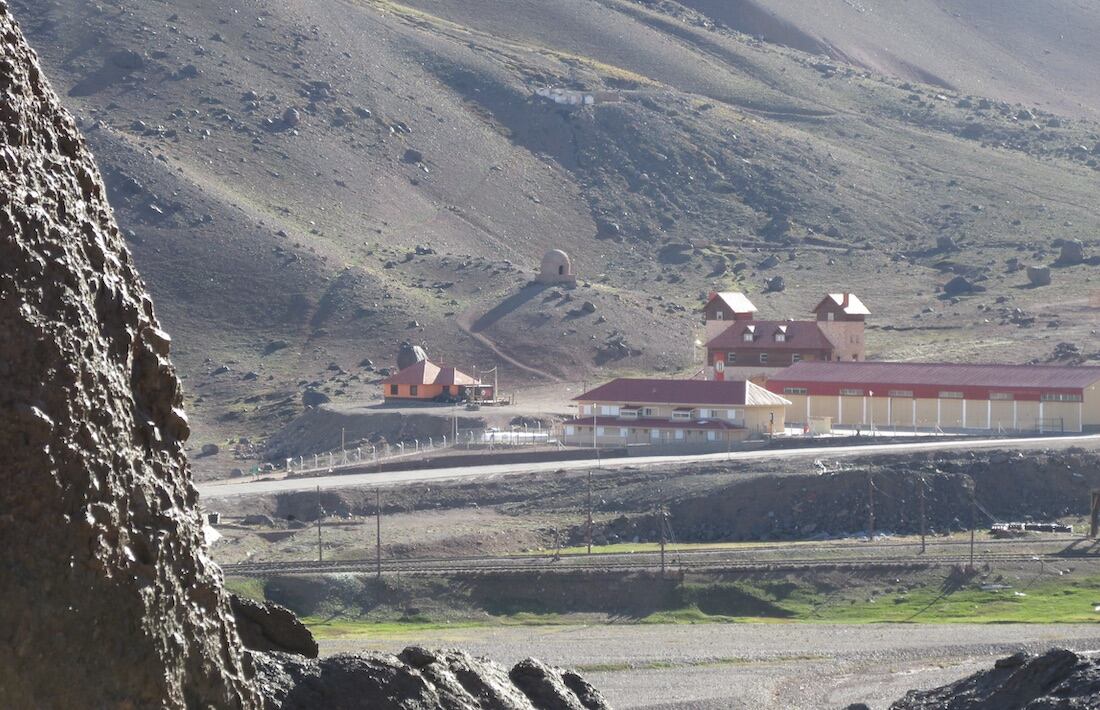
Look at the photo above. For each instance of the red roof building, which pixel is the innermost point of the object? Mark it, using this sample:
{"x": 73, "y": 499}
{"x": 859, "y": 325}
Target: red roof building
{"x": 427, "y": 381}
{"x": 945, "y": 395}
{"x": 652, "y": 411}
{"x": 837, "y": 333}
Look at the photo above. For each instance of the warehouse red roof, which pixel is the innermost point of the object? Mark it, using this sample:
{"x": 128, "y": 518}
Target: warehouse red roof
{"x": 428, "y": 373}
{"x": 800, "y": 335}
{"x": 881, "y": 374}
{"x": 682, "y": 392}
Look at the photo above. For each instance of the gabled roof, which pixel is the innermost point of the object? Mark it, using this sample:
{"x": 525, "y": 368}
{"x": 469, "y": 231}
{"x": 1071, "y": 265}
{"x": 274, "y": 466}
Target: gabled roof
{"x": 939, "y": 375}
{"x": 426, "y": 372}
{"x": 801, "y": 335}
{"x": 735, "y": 301}
{"x": 683, "y": 392}
{"x": 848, "y": 303}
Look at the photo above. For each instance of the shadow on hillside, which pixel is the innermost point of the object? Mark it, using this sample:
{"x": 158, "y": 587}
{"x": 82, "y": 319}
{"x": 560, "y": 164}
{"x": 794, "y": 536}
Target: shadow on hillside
{"x": 508, "y": 305}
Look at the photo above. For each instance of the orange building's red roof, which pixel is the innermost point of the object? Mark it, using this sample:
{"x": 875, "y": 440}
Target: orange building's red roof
{"x": 426, "y": 372}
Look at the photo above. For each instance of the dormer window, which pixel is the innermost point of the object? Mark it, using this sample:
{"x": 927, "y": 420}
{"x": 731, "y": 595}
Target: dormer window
{"x": 747, "y": 337}
{"x": 780, "y": 337}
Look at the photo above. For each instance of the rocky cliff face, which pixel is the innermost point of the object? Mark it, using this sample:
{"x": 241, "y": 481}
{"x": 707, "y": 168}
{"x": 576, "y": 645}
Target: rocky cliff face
{"x": 108, "y": 597}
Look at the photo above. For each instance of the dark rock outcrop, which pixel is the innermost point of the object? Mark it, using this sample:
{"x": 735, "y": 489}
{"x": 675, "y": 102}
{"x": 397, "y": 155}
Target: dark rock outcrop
{"x": 1056, "y": 679}
{"x": 109, "y": 599}
{"x": 409, "y": 354}
{"x": 418, "y": 679}
{"x": 271, "y": 627}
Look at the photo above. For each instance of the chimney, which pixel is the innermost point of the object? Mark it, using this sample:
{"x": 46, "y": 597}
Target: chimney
{"x": 844, "y": 302}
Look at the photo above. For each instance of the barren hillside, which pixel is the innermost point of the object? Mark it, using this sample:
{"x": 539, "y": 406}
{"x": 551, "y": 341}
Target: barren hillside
{"x": 306, "y": 183}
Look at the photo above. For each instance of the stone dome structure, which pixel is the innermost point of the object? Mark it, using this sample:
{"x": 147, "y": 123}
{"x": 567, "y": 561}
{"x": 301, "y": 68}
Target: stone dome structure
{"x": 556, "y": 268}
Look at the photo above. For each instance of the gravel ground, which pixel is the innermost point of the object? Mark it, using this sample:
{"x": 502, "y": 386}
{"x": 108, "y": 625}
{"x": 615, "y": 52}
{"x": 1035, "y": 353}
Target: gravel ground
{"x": 752, "y": 666}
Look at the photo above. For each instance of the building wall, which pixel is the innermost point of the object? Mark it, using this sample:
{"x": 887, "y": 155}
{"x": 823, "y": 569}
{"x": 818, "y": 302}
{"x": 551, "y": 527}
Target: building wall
{"x": 1091, "y": 408}
{"x": 630, "y": 435}
{"x": 431, "y": 391}
{"x": 847, "y": 337}
{"x": 750, "y": 356}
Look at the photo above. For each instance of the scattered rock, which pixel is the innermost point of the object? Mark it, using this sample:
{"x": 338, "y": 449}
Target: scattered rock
{"x": 588, "y": 307}
{"x": 946, "y": 244}
{"x": 1073, "y": 253}
{"x": 412, "y": 156}
{"x": 269, "y": 626}
{"x": 409, "y": 354}
{"x": 768, "y": 263}
{"x": 258, "y": 519}
{"x": 275, "y": 346}
{"x": 292, "y": 117}
{"x": 313, "y": 398}
{"x": 127, "y": 60}
{"x": 958, "y": 286}
{"x": 210, "y": 449}
{"x": 1056, "y": 679}
{"x": 775, "y": 284}
{"x": 1038, "y": 275}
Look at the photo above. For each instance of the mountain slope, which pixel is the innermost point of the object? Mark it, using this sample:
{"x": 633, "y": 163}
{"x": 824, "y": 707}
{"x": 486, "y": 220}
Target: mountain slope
{"x": 307, "y": 183}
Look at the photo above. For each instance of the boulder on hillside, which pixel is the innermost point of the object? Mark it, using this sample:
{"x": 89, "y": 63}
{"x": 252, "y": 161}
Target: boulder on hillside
{"x": 1072, "y": 254}
{"x": 958, "y": 286}
{"x": 775, "y": 284}
{"x": 1038, "y": 275}
{"x": 409, "y": 354}
{"x": 269, "y": 626}
{"x": 314, "y": 398}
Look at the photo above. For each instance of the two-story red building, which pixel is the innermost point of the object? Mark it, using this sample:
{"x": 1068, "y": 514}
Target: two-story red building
{"x": 735, "y": 338}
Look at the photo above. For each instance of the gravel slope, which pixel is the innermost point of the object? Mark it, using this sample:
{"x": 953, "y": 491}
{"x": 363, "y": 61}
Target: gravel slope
{"x": 758, "y": 666}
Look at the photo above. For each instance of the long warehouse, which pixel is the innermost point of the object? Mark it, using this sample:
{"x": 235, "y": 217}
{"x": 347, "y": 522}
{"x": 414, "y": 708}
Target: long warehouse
{"x": 948, "y": 396}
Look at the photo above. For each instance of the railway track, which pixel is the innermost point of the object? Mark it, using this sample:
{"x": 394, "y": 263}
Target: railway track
{"x": 943, "y": 553}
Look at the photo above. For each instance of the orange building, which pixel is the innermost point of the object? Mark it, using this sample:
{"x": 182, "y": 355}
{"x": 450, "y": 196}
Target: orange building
{"x": 427, "y": 381}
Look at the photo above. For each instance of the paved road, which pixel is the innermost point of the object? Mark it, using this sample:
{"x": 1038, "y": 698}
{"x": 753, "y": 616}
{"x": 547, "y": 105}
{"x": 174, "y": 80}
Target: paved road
{"x": 753, "y": 666}
{"x": 223, "y": 489}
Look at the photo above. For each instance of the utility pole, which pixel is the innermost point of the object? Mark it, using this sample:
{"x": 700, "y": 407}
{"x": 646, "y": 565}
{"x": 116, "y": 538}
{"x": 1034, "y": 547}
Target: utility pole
{"x": 870, "y": 507}
{"x": 320, "y": 512}
{"x": 661, "y": 521}
{"x": 378, "y": 532}
{"x": 923, "y": 523}
{"x": 588, "y": 524}
{"x": 973, "y": 484}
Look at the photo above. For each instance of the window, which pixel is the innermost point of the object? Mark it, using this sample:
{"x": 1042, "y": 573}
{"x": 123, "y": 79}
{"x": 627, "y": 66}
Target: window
{"x": 830, "y": 316}
{"x": 609, "y": 410}
{"x": 795, "y": 390}
{"x": 780, "y": 337}
{"x": 951, "y": 395}
{"x": 682, "y": 414}
{"x": 851, "y": 392}
{"x": 1057, "y": 397}
{"x": 393, "y": 390}
{"x": 704, "y": 414}
{"x": 413, "y": 389}
{"x": 570, "y": 430}
{"x": 731, "y": 358}
{"x": 796, "y": 357}
{"x": 719, "y": 315}
{"x": 900, "y": 393}
{"x": 763, "y": 358}
{"x": 710, "y": 436}
{"x": 1002, "y": 396}
{"x": 599, "y": 431}
{"x": 649, "y": 411}
{"x": 654, "y": 434}
{"x": 629, "y": 414}
{"x": 747, "y": 337}
{"x": 734, "y": 414}
{"x": 679, "y": 433}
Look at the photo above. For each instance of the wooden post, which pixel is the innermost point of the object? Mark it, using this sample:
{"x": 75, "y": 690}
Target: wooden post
{"x": 923, "y": 518}
{"x": 1094, "y": 527}
{"x": 378, "y": 531}
{"x": 870, "y": 507}
{"x": 320, "y": 512}
{"x": 588, "y": 522}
